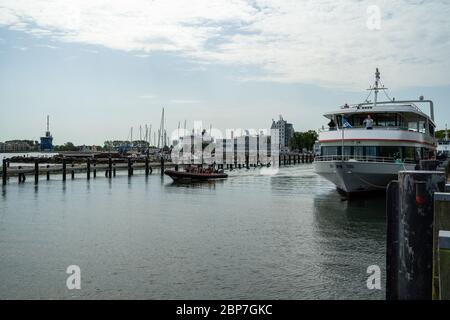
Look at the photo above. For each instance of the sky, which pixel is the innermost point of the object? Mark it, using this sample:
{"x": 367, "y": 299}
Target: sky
{"x": 100, "y": 67}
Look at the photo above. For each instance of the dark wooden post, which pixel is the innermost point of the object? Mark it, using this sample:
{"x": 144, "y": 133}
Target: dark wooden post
{"x": 48, "y": 172}
{"x": 114, "y": 170}
{"x": 147, "y": 170}
{"x": 36, "y": 171}
{"x": 72, "y": 172}
{"x": 88, "y": 169}
{"x": 64, "y": 169}
{"x": 129, "y": 167}
{"x": 162, "y": 165}
{"x": 109, "y": 167}
{"x": 414, "y": 226}
{"x": 4, "y": 172}
{"x": 392, "y": 257}
{"x": 95, "y": 168}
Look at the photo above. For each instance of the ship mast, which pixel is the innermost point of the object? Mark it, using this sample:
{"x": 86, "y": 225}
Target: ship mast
{"x": 376, "y": 88}
{"x": 377, "y": 80}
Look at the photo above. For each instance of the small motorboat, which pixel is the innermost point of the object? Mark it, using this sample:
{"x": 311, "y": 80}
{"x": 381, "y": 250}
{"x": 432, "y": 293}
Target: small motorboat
{"x": 196, "y": 174}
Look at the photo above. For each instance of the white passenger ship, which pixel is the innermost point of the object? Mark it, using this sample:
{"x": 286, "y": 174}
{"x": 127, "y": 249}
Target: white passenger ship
{"x": 359, "y": 156}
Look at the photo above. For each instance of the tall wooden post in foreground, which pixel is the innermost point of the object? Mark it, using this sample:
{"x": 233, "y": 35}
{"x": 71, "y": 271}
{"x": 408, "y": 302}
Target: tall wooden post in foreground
{"x": 410, "y": 259}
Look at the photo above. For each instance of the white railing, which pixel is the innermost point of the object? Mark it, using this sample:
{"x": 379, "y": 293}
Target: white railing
{"x": 364, "y": 159}
{"x": 374, "y": 128}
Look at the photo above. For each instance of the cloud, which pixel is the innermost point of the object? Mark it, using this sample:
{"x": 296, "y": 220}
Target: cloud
{"x": 47, "y": 46}
{"x": 184, "y": 101}
{"x": 148, "y": 96}
{"x": 90, "y": 51}
{"x": 20, "y": 48}
{"x": 324, "y": 42}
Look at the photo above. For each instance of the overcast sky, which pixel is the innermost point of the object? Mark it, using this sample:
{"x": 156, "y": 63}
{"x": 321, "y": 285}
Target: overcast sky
{"x": 99, "y": 67}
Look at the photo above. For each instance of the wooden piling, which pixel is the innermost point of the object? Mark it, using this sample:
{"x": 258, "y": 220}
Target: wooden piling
{"x": 129, "y": 167}
{"x": 72, "y": 172}
{"x": 48, "y": 172}
{"x": 392, "y": 257}
{"x": 147, "y": 171}
{"x": 36, "y": 171}
{"x": 415, "y": 233}
{"x": 109, "y": 167}
{"x": 88, "y": 169}
{"x": 4, "y": 172}
{"x": 162, "y": 165}
{"x": 95, "y": 169}
{"x": 64, "y": 169}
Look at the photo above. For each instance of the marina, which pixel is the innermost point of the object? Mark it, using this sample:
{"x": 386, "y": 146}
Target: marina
{"x": 144, "y": 238}
{"x": 215, "y": 158}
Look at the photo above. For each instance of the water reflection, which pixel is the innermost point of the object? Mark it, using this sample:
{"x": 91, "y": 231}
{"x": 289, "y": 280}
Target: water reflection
{"x": 352, "y": 233}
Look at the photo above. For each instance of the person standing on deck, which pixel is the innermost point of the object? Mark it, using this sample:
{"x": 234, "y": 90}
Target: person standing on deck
{"x": 368, "y": 123}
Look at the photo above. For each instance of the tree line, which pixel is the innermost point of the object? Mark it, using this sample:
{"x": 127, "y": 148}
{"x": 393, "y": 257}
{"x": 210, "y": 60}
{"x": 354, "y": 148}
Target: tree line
{"x": 303, "y": 140}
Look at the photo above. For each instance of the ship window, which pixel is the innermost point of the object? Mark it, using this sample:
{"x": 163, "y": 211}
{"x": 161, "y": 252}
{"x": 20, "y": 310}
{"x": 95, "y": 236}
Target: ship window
{"x": 329, "y": 151}
{"x": 359, "y": 151}
{"x": 390, "y": 152}
{"x": 371, "y": 151}
{"x": 348, "y": 151}
{"x": 413, "y": 126}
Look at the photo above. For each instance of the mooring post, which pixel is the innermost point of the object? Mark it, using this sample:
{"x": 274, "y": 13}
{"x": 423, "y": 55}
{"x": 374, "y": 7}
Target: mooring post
{"x": 162, "y": 165}
{"x": 95, "y": 168}
{"x": 64, "y": 169}
{"x": 129, "y": 166}
{"x": 114, "y": 169}
{"x": 147, "y": 170}
{"x": 303, "y": 158}
{"x": 88, "y": 169}
{"x": 441, "y": 222}
{"x": 392, "y": 258}
{"x": 109, "y": 167}
{"x": 36, "y": 171}
{"x": 415, "y": 233}
{"x": 72, "y": 172}
{"x": 4, "y": 172}
{"x": 48, "y": 171}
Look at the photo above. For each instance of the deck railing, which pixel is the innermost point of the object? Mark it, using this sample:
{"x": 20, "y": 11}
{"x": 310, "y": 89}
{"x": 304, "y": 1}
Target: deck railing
{"x": 364, "y": 159}
{"x": 396, "y": 128}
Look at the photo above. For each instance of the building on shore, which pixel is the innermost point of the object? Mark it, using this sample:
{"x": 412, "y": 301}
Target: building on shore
{"x": 18, "y": 146}
{"x": 285, "y": 132}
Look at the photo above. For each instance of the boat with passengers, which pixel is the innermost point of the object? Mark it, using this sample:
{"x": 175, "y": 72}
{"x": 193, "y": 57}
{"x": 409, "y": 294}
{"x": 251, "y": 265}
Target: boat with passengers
{"x": 366, "y": 144}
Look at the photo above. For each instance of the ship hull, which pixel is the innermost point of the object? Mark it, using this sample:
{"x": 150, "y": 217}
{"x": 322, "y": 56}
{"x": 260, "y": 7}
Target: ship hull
{"x": 359, "y": 177}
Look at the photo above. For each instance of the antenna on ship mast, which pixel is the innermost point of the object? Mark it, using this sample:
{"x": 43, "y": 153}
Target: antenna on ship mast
{"x": 376, "y": 88}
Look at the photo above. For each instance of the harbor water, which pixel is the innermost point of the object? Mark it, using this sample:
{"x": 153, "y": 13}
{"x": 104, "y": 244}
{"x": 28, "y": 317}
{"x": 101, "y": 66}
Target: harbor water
{"x": 252, "y": 236}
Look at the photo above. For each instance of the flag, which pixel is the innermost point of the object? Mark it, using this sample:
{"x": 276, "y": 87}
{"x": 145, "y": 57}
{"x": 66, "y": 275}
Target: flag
{"x": 345, "y": 122}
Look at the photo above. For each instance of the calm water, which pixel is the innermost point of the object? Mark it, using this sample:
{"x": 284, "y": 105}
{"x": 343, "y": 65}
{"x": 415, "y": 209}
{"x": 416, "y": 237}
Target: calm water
{"x": 288, "y": 236}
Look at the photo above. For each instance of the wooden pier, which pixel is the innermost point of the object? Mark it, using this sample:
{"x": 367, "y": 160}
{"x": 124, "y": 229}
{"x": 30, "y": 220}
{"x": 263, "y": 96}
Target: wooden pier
{"x": 92, "y": 167}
